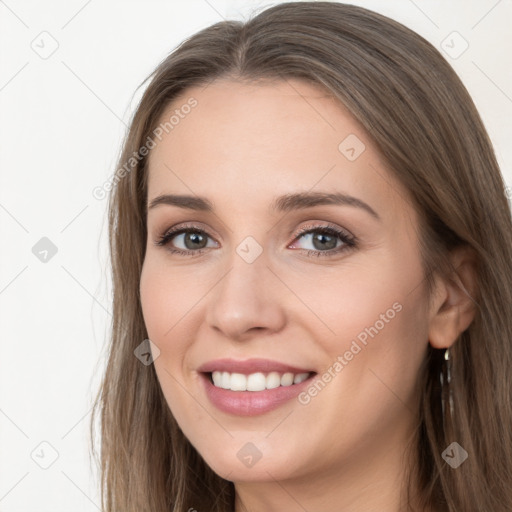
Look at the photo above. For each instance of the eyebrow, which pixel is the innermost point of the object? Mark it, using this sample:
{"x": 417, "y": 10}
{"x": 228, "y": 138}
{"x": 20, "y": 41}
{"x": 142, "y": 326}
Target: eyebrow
{"x": 285, "y": 203}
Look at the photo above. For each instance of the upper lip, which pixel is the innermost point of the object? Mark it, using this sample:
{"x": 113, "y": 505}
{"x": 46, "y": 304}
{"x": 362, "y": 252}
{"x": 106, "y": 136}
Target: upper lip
{"x": 249, "y": 366}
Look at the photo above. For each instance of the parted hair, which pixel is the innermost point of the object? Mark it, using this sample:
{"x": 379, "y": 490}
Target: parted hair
{"x": 429, "y": 134}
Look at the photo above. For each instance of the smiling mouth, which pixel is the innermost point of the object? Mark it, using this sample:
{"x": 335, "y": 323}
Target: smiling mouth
{"x": 258, "y": 381}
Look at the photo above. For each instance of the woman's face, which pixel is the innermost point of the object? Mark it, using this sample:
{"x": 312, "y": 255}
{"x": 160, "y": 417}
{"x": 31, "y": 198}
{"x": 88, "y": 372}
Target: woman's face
{"x": 343, "y": 303}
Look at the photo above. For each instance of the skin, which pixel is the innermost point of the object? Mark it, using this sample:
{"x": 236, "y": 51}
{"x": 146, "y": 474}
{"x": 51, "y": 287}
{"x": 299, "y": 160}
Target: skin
{"x": 240, "y": 147}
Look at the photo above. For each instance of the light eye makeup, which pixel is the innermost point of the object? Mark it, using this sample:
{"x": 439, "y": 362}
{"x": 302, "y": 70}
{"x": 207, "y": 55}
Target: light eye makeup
{"x": 315, "y": 233}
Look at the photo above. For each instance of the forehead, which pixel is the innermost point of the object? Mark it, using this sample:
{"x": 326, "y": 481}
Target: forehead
{"x": 245, "y": 143}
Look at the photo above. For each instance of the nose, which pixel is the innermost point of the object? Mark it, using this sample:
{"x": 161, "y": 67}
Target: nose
{"x": 247, "y": 300}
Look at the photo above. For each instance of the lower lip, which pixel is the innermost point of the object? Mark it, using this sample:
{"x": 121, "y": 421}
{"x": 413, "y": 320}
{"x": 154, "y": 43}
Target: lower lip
{"x": 251, "y": 403}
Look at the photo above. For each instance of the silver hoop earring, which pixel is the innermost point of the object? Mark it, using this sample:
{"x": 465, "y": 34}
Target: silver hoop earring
{"x": 445, "y": 377}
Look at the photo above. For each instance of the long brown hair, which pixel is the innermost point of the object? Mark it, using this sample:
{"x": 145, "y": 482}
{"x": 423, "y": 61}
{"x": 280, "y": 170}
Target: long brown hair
{"x": 429, "y": 133}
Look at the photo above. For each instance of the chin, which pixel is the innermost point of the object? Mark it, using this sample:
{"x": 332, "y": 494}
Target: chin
{"x": 248, "y": 461}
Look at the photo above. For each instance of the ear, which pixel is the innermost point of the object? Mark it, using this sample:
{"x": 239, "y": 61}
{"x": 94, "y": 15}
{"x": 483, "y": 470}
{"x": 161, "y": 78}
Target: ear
{"x": 454, "y": 306}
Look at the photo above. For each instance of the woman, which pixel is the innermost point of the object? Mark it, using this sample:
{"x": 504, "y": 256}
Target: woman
{"x": 311, "y": 251}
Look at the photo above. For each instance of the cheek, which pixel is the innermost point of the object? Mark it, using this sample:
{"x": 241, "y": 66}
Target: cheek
{"x": 165, "y": 300}
{"x": 172, "y": 301}
{"x": 164, "y": 305}
{"x": 351, "y": 298}
{"x": 162, "y": 309}
{"x": 373, "y": 311}
{"x": 154, "y": 301}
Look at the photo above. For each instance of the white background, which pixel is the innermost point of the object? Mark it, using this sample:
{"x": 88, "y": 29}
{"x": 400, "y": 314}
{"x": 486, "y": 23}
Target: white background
{"x": 61, "y": 123}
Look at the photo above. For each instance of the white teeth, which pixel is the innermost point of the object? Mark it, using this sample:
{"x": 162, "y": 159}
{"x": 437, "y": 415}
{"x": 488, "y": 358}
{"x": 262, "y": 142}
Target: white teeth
{"x": 287, "y": 379}
{"x": 238, "y": 382}
{"x": 273, "y": 380}
{"x": 225, "y": 383}
{"x": 256, "y": 381}
{"x": 300, "y": 377}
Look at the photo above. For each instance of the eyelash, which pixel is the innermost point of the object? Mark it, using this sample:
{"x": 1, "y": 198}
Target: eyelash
{"x": 349, "y": 241}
